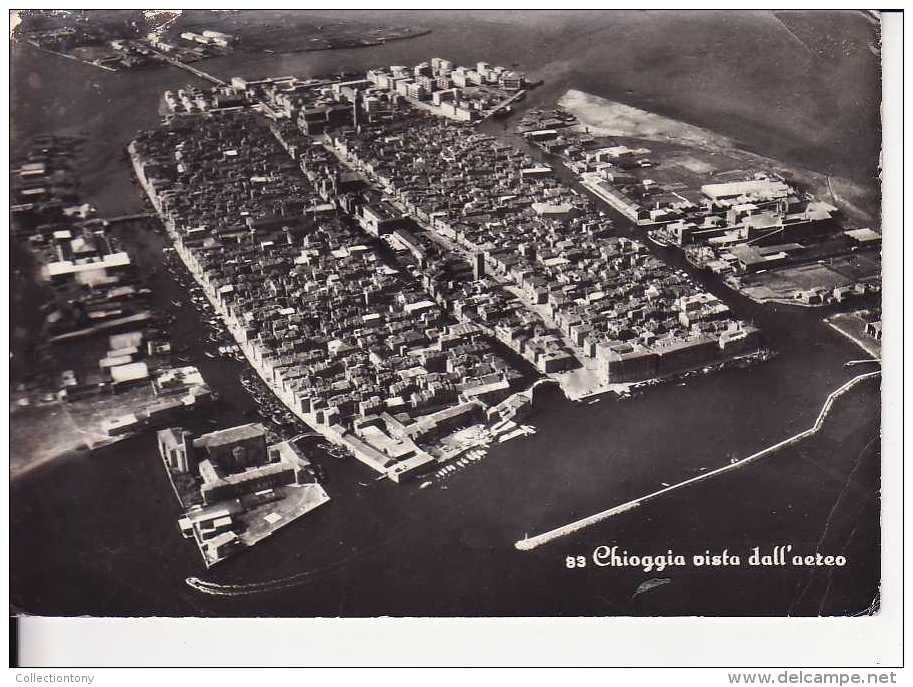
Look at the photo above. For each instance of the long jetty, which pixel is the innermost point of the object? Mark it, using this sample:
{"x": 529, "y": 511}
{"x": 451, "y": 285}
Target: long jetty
{"x": 530, "y": 543}
{"x": 504, "y": 103}
{"x": 186, "y": 67}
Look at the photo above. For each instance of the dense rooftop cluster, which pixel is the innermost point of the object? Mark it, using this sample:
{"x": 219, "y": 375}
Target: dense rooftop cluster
{"x": 545, "y": 244}
{"x": 325, "y": 317}
{"x": 367, "y": 255}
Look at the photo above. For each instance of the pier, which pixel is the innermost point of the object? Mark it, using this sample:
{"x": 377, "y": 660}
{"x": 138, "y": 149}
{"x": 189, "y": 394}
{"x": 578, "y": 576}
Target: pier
{"x": 193, "y": 70}
{"x": 504, "y": 103}
{"x": 530, "y": 543}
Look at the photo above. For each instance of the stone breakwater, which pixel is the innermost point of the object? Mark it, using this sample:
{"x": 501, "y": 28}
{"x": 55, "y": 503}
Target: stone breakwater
{"x": 533, "y": 542}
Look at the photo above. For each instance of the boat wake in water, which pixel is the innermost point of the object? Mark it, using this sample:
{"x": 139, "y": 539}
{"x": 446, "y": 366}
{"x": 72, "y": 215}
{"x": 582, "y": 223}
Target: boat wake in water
{"x": 278, "y": 584}
{"x": 248, "y": 588}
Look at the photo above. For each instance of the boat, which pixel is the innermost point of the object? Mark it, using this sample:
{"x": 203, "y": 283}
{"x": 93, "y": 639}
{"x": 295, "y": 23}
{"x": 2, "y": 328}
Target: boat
{"x": 424, "y": 485}
{"x": 652, "y": 583}
{"x": 177, "y": 304}
{"x": 653, "y": 238}
{"x": 593, "y": 401}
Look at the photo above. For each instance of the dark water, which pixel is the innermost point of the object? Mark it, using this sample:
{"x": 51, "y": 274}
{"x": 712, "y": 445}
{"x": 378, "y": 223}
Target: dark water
{"x": 96, "y": 533}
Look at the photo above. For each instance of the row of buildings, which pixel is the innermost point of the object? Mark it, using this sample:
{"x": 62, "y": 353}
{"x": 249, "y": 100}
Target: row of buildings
{"x": 738, "y": 229}
{"x": 366, "y": 255}
{"x": 549, "y": 279}
{"x": 342, "y": 335}
{"x": 457, "y": 92}
{"x": 439, "y": 87}
{"x": 94, "y": 289}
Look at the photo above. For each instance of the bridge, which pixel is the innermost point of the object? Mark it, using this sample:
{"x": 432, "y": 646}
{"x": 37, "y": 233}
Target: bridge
{"x": 127, "y": 218}
{"x": 186, "y": 67}
{"x": 539, "y": 382}
{"x": 504, "y": 103}
{"x": 265, "y": 107}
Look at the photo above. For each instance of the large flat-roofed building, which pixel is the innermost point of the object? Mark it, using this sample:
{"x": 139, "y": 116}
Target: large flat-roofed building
{"x": 235, "y": 448}
{"x": 318, "y": 118}
{"x": 760, "y": 189}
{"x": 753, "y": 258}
{"x": 411, "y": 467}
{"x": 218, "y": 486}
{"x": 628, "y": 363}
{"x": 284, "y": 465}
{"x": 513, "y": 81}
{"x": 555, "y": 361}
{"x": 178, "y": 380}
{"x": 680, "y": 355}
{"x": 557, "y": 211}
{"x": 436, "y": 424}
{"x": 864, "y": 237}
{"x": 88, "y": 272}
{"x": 381, "y": 218}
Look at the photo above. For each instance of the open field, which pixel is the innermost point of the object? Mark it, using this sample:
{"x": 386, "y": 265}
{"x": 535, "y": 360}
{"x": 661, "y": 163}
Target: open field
{"x": 277, "y": 31}
{"x": 690, "y": 156}
{"x": 781, "y": 284}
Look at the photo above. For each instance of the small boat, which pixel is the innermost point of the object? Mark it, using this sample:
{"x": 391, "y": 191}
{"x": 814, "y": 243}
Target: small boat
{"x": 177, "y": 304}
{"x": 593, "y": 401}
{"x": 424, "y": 485}
{"x": 665, "y": 484}
{"x": 652, "y": 583}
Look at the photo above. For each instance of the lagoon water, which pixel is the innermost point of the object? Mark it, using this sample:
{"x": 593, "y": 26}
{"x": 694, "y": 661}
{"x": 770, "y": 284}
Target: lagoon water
{"x": 96, "y": 533}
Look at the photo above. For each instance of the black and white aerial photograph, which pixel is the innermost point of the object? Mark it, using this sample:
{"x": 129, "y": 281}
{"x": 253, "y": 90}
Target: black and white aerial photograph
{"x": 445, "y": 314}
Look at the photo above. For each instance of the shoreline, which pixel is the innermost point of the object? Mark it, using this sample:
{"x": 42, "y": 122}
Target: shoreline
{"x": 257, "y": 51}
{"x": 560, "y": 378}
{"x": 363, "y": 452}
{"x": 596, "y": 113}
{"x": 866, "y": 347}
